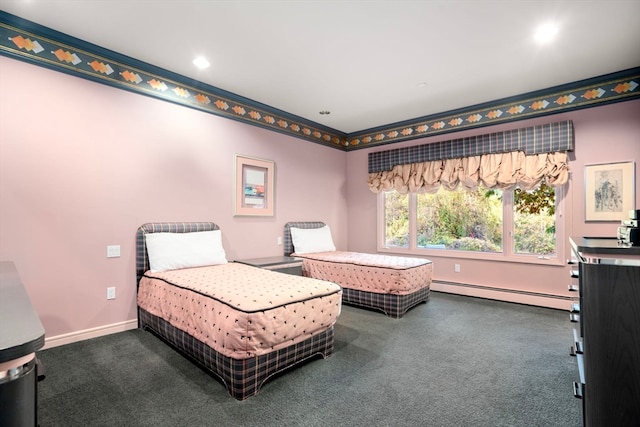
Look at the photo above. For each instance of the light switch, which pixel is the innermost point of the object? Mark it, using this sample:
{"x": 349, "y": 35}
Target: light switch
{"x": 113, "y": 251}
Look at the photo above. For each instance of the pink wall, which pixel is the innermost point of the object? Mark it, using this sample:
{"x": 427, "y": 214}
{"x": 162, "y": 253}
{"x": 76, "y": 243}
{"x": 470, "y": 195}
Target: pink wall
{"x": 603, "y": 134}
{"x": 82, "y": 165}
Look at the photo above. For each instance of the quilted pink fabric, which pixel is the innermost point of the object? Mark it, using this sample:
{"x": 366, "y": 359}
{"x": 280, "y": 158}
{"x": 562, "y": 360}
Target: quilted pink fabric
{"x": 369, "y": 272}
{"x": 239, "y": 310}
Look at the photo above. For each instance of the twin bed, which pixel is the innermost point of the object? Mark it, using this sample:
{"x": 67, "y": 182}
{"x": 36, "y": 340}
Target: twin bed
{"x": 244, "y": 324}
{"x": 391, "y": 284}
{"x": 241, "y": 323}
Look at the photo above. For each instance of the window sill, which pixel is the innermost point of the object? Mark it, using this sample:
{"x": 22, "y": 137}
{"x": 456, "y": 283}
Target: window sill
{"x": 483, "y": 256}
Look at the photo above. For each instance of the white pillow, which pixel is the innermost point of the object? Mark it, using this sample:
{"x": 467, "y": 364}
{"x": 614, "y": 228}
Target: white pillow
{"x": 310, "y": 240}
{"x": 171, "y": 251}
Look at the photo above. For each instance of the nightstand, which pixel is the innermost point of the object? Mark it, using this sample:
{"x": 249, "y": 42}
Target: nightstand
{"x": 282, "y": 264}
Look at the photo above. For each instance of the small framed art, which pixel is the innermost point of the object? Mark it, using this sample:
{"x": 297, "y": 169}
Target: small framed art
{"x": 609, "y": 191}
{"x": 254, "y": 179}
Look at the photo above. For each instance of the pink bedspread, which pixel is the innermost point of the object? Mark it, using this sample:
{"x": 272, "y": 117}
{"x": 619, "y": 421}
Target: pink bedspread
{"x": 239, "y": 310}
{"x": 369, "y": 272}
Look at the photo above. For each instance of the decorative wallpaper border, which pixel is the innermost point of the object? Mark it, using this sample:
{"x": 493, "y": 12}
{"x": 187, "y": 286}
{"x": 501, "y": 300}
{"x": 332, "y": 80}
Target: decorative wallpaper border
{"x": 42, "y": 46}
{"x": 616, "y": 87}
{"x": 39, "y": 45}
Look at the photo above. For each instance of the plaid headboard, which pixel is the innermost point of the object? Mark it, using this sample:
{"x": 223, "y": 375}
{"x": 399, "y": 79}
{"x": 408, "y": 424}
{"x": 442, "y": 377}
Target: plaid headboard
{"x": 288, "y": 243}
{"x": 142, "y": 259}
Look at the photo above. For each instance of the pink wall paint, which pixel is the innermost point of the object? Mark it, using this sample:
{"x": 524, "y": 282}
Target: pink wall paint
{"x": 82, "y": 165}
{"x": 603, "y": 134}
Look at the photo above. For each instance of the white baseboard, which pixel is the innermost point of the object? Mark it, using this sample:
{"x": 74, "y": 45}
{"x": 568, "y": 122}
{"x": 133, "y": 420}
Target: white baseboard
{"x": 508, "y": 295}
{"x": 529, "y": 298}
{"x": 89, "y": 333}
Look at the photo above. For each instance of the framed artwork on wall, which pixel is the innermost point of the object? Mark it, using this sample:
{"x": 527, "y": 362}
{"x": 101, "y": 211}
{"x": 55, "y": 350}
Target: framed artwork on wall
{"x": 254, "y": 179}
{"x": 609, "y": 191}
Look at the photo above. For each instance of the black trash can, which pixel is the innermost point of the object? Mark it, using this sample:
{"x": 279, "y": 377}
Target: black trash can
{"x": 18, "y": 395}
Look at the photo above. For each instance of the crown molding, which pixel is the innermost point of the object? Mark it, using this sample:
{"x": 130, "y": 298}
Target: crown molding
{"x": 28, "y": 41}
{"x": 615, "y": 87}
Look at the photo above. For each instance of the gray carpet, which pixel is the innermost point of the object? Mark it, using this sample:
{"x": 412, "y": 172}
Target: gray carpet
{"x": 455, "y": 361}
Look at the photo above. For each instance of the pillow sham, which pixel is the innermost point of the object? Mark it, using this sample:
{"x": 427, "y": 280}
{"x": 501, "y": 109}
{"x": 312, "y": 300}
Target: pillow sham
{"x": 310, "y": 240}
{"x": 172, "y": 251}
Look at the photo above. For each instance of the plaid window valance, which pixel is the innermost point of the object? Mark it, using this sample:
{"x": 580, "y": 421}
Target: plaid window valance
{"x": 547, "y": 138}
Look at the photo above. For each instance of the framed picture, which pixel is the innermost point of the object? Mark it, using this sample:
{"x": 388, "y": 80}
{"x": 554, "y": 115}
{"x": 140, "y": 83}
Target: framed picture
{"x": 609, "y": 191}
{"x": 254, "y": 186}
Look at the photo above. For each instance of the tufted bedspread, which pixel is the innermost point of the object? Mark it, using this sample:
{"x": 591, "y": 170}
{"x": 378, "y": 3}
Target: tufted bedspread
{"x": 241, "y": 311}
{"x": 376, "y": 273}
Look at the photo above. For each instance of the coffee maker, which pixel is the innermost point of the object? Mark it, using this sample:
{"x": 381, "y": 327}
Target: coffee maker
{"x": 628, "y": 232}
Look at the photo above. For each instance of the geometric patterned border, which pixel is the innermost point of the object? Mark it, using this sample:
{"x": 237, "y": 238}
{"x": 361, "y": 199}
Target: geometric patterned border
{"x": 39, "y": 45}
{"x": 621, "y": 86}
{"x": 58, "y": 51}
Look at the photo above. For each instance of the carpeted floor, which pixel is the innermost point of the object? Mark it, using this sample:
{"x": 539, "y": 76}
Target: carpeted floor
{"x": 455, "y": 361}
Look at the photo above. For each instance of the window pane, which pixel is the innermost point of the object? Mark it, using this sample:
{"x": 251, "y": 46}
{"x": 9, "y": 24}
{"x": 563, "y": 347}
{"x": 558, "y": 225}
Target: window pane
{"x": 460, "y": 220}
{"x": 534, "y": 220}
{"x": 396, "y": 214}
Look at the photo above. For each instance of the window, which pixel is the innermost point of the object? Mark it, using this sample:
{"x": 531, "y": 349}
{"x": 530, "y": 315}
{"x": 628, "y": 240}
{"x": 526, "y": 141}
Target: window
{"x": 534, "y": 221}
{"x": 396, "y": 219}
{"x": 474, "y": 223}
{"x": 462, "y": 220}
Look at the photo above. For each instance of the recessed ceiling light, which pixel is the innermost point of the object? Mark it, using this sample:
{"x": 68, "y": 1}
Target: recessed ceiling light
{"x": 545, "y": 33}
{"x": 422, "y": 84}
{"x": 201, "y": 62}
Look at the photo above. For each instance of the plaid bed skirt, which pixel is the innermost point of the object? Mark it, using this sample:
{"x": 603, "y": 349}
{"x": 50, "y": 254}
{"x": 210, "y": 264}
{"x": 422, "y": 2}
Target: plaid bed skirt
{"x": 242, "y": 377}
{"x": 392, "y": 305}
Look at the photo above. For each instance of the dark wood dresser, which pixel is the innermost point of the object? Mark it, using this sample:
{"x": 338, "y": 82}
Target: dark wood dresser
{"x": 607, "y": 331}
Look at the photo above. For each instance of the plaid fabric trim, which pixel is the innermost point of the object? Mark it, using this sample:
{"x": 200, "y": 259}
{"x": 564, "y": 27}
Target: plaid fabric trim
{"x": 288, "y": 243}
{"x": 547, "y": 138}
{"x": 242, "y": 377}
{"x": 392, "y": 305}
{"x": 142, "y": 258}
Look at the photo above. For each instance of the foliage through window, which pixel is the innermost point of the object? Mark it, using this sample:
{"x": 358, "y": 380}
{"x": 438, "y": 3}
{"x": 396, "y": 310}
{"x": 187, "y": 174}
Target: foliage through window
{"x": 535, "y": 221}
{"x": 462, "y": 220}
{"x": 474, "y": 221}
{"x": 396, "y": 219}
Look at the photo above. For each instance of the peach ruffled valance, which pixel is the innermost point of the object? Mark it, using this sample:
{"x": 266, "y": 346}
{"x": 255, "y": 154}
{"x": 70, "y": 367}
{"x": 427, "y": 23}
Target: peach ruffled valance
{"x": 501, "y": 171}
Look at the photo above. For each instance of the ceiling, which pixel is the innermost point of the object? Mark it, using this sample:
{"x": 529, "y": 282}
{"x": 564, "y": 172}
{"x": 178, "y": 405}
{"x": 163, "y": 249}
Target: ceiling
{"x": 368, "y": 63}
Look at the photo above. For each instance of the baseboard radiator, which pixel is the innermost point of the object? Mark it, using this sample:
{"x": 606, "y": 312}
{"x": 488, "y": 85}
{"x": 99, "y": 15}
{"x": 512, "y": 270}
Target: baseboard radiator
{"x": 503, "y": 294}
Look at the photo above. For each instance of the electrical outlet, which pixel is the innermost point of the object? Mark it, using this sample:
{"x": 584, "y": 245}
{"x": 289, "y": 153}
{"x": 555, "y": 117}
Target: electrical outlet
{"x": 456, "y": 268}
{"x": 111, "y": 292}
{"x": 279, "y": 241}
